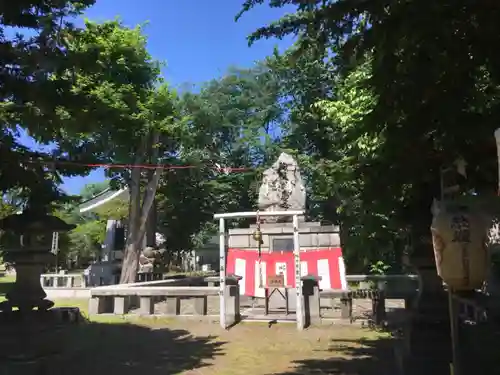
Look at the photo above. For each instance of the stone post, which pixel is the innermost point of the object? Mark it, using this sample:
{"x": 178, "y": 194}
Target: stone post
{"x": 378, "y": 307}
{"x": 427, "y": 331}
{"x": 431, "y": 305}
{"x": 311, "y": 305}
{"x": 232, "y": 301}
{"x": 346, "y": 306}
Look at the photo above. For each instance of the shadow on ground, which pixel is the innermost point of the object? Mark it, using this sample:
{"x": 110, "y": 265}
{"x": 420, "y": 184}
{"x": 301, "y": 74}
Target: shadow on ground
{"x": 350, "y": 357}
{"x": 97, "y": 348}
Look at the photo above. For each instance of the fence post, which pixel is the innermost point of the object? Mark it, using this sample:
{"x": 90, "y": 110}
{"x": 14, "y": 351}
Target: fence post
{"x": 455, "y": 368}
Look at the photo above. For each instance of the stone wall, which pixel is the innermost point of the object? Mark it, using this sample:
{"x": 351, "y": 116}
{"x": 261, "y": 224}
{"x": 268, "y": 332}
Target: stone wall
{"x": 279, "y": 237}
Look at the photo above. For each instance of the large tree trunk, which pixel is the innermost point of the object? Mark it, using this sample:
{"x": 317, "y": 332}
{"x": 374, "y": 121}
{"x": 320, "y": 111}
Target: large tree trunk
{"x": 131, "y": 254}
{"x": 149, "y": 199}
{"x": 139, "y": 214}
{"x": 151, "y": 222}
{"x": 148, "y": 212}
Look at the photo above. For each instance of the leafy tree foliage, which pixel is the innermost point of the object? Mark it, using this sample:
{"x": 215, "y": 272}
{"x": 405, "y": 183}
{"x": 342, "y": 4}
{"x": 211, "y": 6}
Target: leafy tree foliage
{"x": 133, "y": 121}
{"x": 372, "y": 101}
{"x": 93, "y": 93}
{"x": 405, "y": 94}
{"x": 84, "y": 242}
{"x": 91, "y": 190}
{"x": 31, "y": 94}
{"x": 231, "y": 123}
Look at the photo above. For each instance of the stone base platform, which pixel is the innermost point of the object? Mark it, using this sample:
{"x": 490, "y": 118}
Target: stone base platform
{"x": 277, "y": 236}
{"x": 31, "y": 337}
{"x": 58, "y": 293}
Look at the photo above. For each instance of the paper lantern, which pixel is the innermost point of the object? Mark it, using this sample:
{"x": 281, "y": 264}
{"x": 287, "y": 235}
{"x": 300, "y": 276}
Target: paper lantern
{"x": 459, "y": 234}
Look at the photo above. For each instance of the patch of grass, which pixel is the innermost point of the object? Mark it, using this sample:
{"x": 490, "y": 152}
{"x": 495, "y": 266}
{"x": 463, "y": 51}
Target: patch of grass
{"x": 281, "y": 350}
{"x": 5, "y": 284}
{"x": 82, "y": 304}
{"x": 187, "y": 347}
{"x": 7, "y": 279}
{"x": 256, "y": 348}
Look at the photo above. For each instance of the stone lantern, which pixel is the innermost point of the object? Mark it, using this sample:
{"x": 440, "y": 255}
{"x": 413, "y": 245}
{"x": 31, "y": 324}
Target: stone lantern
{"x": 26, "y": 241}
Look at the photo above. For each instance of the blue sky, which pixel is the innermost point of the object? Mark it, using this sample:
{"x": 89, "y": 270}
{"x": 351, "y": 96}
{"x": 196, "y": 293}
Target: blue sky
{"x": 198, "y": 39}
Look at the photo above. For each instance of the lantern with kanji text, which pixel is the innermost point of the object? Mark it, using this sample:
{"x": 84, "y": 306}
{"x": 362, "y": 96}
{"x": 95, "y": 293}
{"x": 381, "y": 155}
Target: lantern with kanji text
{"x": 459, "y": 234}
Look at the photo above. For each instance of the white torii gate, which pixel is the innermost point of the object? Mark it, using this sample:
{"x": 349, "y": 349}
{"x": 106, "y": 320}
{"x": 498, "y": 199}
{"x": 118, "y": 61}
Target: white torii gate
{"x": 296, "y": 251}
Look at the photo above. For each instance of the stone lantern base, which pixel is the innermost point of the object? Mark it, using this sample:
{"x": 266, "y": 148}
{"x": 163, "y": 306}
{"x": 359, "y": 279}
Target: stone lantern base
{"x": 27, "y": 293}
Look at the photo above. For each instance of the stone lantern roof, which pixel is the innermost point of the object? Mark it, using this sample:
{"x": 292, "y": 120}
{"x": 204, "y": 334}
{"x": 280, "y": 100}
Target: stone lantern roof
{"x": 34, "y": 222}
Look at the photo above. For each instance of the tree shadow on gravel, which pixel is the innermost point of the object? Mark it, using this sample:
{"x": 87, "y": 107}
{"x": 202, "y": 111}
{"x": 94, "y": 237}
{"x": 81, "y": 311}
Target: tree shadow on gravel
{"x": 97, "y": 348}
{"x": 350, "y": 357}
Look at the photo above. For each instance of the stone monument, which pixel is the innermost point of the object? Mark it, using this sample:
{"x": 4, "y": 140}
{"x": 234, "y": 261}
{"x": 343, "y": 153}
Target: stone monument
{"x": 151, "y": 264}
{"x": 282, "y": 189}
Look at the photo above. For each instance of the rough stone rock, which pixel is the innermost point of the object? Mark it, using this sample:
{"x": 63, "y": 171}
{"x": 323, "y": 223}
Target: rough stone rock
{"x": 149, "y": 252}
{"x": 282, "y": 188}
{"x": 150, "y": 258}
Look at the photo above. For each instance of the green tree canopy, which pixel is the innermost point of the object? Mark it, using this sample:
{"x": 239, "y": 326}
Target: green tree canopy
{"x": 405, "y": 94}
